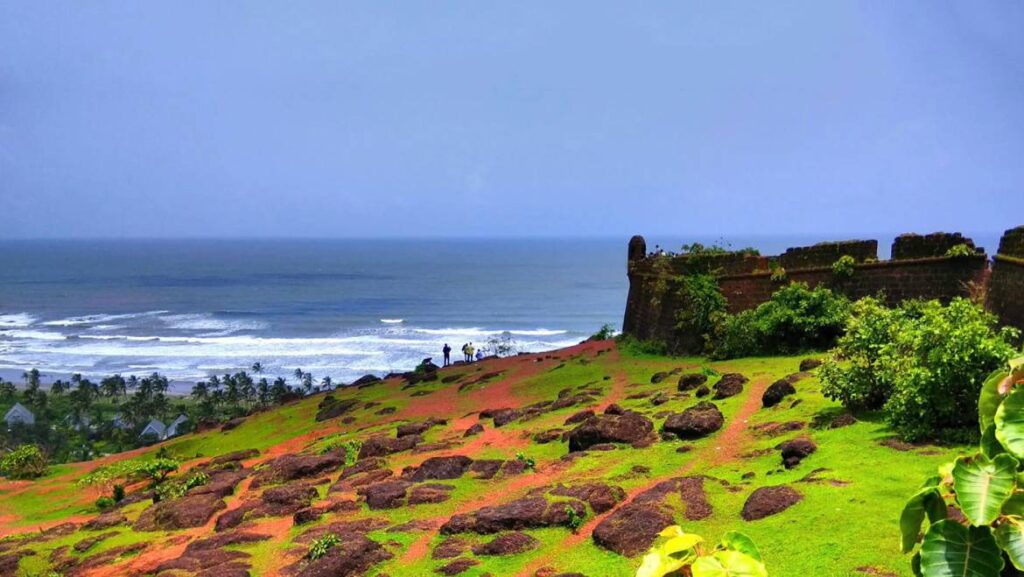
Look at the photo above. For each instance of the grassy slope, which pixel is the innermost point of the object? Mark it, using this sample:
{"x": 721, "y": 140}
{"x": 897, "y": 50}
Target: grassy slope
{"x": 838, "y": 527}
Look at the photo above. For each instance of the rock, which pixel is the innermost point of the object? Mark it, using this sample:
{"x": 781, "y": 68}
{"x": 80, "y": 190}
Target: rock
{"x": 507, "y": 544}
{"x": 695, "y": 422}
{"x": 777, "y": 391}
{"x": 730, "y": 385}
{"x": 844, "y": 420}
{"x": 298, "y": 466}
{"x": 614, "y": 409}
{"x": 524, "y": 513}
{"x": 457, "y": 566}
{"x": 330, "y": 407}
{"x": 632, "y": 528}
{"x": 544, "y": 437}
{"x": 474, "y": 430}
{"x": 658, "y": 377}
{"x": 222, "y": 483}
{"x": 796, "y": 450}
{"x": 809, "y": 365}
{"x": 353, "y": 555}
{"x": 438, "y": 468}
{"x": 702, "y": 391}
{"x": 450, "y": 548}
{"x": 381, "y": 446}
{"x": 385, "y": 495}
{"x": 629, "y": 427}
{"x": 599, "y": 496}
{"x": 106, "y": 521}
{"x": 691, "y": 381}
{"x": 234, "y": 457}
{"x": 486, "y": 468}
{"x": 88, "y": 543}
{"x": 429, "y": 493}
{"x": 366, "y": 380}
{"x": 579, "y": 417}
{"x": 502, "y": 417}
{"x": 768, "y": 501}
{"x": 188, "y": 511}
{"x": 295, "y": 494}
{"x": 232, "y": 424}
{"x": 418, "y": 428}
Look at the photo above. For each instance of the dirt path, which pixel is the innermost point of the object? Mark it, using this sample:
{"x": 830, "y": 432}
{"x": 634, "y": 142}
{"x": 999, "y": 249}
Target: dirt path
{"x": 727, "y": 446}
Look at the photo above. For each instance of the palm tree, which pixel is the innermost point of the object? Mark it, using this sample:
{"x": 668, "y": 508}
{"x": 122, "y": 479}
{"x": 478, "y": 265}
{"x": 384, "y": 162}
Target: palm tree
{"x": 257, "y": 368}
{"x": 326, "y": 383}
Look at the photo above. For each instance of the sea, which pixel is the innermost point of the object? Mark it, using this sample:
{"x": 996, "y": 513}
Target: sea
{"x": 189, "y": 309}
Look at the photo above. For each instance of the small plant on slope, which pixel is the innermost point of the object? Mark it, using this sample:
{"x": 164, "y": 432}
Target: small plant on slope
{"x": 321, "y": 546}
{"x": 987, "y": 487}
{"x": 736, "y": 556}
{"x": 530, "y": 463}
{"x": 575, "y": 519}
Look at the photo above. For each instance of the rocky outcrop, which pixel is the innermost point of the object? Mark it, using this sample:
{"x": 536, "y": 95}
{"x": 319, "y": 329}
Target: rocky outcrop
{"x": 730, "y": 385}
{"x": 629, "y": 427}
{"x": 438, "y": 468}
{"x": 298, "y": 466}
{"x": 188, "y": 511}
{"x": 526, "y": 513}
{"x": 632, "y": 528}
{"x": 695, "y": 422}
{"x": 768, "y": 501}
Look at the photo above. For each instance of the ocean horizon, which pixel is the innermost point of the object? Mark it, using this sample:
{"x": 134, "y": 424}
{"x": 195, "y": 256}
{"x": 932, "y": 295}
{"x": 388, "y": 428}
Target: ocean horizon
{"x": 191, "y": 308}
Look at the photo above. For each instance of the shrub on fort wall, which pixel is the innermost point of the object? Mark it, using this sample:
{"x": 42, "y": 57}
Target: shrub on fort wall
{"x": 922, "y": 363}
{"x": 701, "y": 302}
{"x": 795, "y": 319}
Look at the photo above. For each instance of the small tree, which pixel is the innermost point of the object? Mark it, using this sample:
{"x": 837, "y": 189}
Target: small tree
{"x": 24, "y": 462}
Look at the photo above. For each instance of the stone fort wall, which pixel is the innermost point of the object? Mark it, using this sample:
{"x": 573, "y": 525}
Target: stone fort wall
{"x": 919, "y": 268}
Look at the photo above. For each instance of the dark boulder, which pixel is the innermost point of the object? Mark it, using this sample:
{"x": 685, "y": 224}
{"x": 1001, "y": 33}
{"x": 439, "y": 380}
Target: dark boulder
{"x": 457, "y": 566}
{"x": 354, "y": 555}
{"x": 381, "y": 446}
{"x": 809, "y": 365}
{"x": 106, "y": 521}
{"x": 450, "y": 548}
{"x": 632, "y": 528}
{"x": 768, "y": 501}
{"x": 695, "y": 422}
{"x": 658, "y": 377}
{"x": 525, "y": 513}
{"x": 730, "y": 385}
{"x": 614, "y": 409}
{"x": 298, "y": 466}
{"x": 366, "y": 380}
{"x": 188, "y": 511}
{"x": 437, "y": 468}
{"x": 385, "y": 495}
{"x": 330, "y": 407}
{"x": 796, "y": 450}
{"x": 579, "y": 417}
{"x": 629, "y": 427}
{"x": 702, "y": 391}
{"x": 777, "y": 391}
{"x": 429, "y": 493}
{"x": 507, "y": 544}
{"x": 474, "y": 430}
{"x": 691, "y": 381}
{"x": 599, "y": 496}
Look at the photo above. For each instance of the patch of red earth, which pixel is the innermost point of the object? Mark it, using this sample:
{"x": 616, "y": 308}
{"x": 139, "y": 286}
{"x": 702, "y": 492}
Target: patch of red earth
{"x": 727, "y": 446}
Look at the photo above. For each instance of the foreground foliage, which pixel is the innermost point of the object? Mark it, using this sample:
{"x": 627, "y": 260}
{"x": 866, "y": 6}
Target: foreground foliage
{"x": 922, "y": 362}
{"x": 985, "y": 487}
{"x": 736, "y": 555}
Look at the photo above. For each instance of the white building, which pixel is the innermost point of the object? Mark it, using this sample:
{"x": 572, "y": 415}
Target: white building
{"x": 19, "y": 414}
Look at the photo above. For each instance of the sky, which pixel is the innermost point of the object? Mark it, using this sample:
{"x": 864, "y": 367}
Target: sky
{"x": 529, "y": 118}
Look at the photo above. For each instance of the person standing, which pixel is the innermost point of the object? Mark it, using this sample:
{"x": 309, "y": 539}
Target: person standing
{"x": 469, "y": 353}
{"x": 447, "y": 354}
{"x": 465, "y": 355}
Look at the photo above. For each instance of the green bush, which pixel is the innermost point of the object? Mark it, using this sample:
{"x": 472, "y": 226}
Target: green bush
{"x": 637, "y": 348}
{"x": 794, "y": 320}
{"x": 24, "y": 462}
{"x": 606, "y": 332}
{"x": 922, "y": 363}
{"x": 844, "y": 267}
{"x": 960, "y": 250}
{"x": 104, "y": 503}
{"x": 983, "y": 489}
{"x": 700, "y": 303}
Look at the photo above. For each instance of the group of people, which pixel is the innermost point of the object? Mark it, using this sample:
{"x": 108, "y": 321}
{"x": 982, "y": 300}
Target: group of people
{"x": 469, "y": 352}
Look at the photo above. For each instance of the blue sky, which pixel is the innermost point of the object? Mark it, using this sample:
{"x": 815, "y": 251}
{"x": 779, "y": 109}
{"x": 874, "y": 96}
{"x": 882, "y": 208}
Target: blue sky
{"x": 322, "y": 119}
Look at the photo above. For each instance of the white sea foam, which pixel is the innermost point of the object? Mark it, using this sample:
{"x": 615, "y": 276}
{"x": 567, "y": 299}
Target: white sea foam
{"x": 207, "y": 322}
{"x": 16, "y": 320}
{"x": 98, "y": 319}
{"x": 479, "y": 332}
{"x": 392, "y": 321}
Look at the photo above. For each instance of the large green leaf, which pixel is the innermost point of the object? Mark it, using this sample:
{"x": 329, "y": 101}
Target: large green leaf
{"x": 990, "y": 446}
{"x": 1015, "y": 504}
{"x": 927, "y": 501}
{"x": 989, "y": 398}
{"x": 983, "y": 485}
{"x": 952, "y": 550}
{"x": 1010, "y": 422}
{"x": 1010, "y": 536}
{"x": 728, "y": 564}
{"x": 736, "y": 541}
